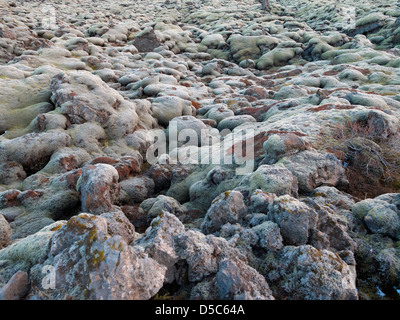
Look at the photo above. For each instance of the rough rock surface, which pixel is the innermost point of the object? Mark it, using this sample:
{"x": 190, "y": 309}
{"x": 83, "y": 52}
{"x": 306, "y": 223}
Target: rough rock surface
{"x": 5, "y": 232}
{"x": 311, "y": 274}
{"x": 99, "y": 188}
{"x": 103, "y": 266}
{"x": 199, "y": 149}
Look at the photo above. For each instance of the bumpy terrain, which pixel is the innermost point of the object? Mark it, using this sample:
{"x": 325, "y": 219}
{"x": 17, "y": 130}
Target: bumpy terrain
{"x": 199, "y": 150}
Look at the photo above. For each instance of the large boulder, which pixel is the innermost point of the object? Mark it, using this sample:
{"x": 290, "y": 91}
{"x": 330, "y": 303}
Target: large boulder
{"x": 159, "y": 242}
{"x": 314, "y": 169}
{"x": 137, "y": 189}
{"x": 23, "y": 254}
{"x": 187, "y": 130}
{"x": 82, "y": 97}
{"x": 23, "y": 99}
{"x": 250, "y": 47}
{"x": 153, "y": 207}
{"x": 89, "y": 263}
{"x": 206, "y": 186}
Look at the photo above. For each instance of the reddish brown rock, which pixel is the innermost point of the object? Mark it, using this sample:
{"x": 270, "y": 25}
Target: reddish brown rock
{"x": 9, "y": 198}
{"x": 99, "y": 188}
{"x": 73, "y": 177}
{"x": 126, "y": 166}
{"x": 258, "y": 113}
{"x": 257, "y": 92}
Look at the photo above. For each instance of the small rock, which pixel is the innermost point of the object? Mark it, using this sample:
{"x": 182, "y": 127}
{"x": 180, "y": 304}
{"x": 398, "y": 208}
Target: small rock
{"x": 16, "y": 288}
{"x": 269, "y": 235}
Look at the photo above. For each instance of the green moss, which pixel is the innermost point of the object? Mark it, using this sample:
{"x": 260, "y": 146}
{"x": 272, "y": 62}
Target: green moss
{"x": 75, "y": 224}
{"x": 165, "y": 296}
{"x": 320, "y": 194}
{"x": 156, "y": 221}
{"x": 223, "y": 196}
{"x": 96, "y": 258}
{"x": 92, "y": 236}
{"x": 56, "y": 227}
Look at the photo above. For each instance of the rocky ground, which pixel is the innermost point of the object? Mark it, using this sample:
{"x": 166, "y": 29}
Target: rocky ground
{"x": 312, "y": 87}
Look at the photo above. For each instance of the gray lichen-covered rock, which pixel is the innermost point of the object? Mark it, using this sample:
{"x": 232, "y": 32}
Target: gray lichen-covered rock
{"x": 187, "y": 130}
{"x": 202, "y": 253}
{"x": 83, "y": 97}
{"x": 259, "y": 201}
{"x": 379, "y": 216}
{"x": 146, "y": 40}
{"x": 232, "y": 122}
{"x": 330, "y": 195}
{"x": 206, "y": 186}
{"x": 66, "y": 159}
{"x": 332, "y": 228}
{"x": 38, "y": 148}
{"x": 273, "y": 179}
{"x": 306, "y": 273}
{"x": 159, "y": 242}
{"x": 295, "y": 219}
{"x": 226, "y": 208}
{"x": 234, "y": 281}
{"x": 237, "y": 281}
{"x": 168, "y": 107}
{"x": 93, "y": 198}
{"x": 98, "y": 187}
{"x": 11, "y": 172}
{"x": 279, "y": 145}
{"x": 118, "y": 224}
{"x": 239, "y": 237}
{"x": 27, "y": 252}
{"x": 89, "y": 263}
{"x": 137, "y": 189}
